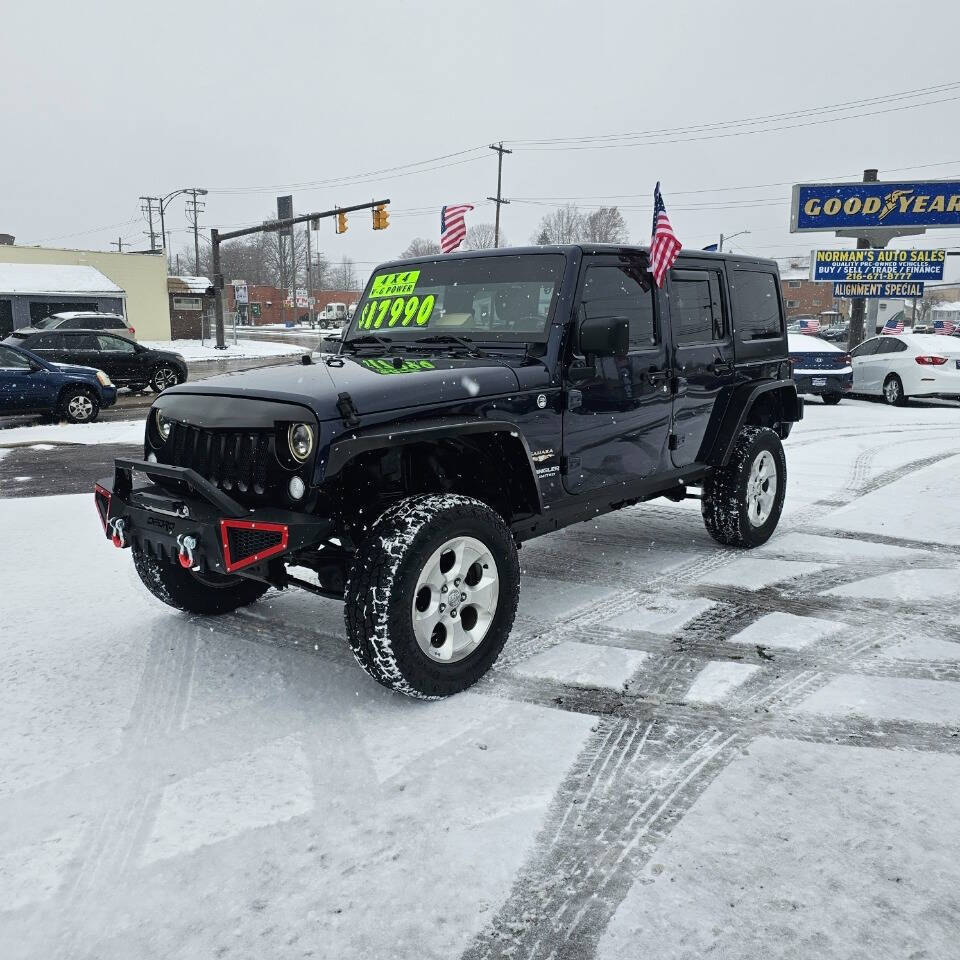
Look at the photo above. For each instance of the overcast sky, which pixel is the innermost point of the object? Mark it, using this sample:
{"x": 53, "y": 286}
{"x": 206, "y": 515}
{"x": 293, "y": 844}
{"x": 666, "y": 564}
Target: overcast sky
{"x": 105, "y": 101}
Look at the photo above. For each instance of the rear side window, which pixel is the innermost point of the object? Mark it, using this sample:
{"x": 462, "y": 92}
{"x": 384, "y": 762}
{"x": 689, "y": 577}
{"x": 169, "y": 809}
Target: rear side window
{"x": 74, "y": 323}
{"x": 115, "y": 344}
{"x": 758, "y": 306}
{"x": 696, "y": 311}
{"x": 622, "y": 291}
{"x": 46, "y": 341}
{"x": 112, "y": 323}
{"x": 81, "y": 341}
{"x": 890, "y": 344}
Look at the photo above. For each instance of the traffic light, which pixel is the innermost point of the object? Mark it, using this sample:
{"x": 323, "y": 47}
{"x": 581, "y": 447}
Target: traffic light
{"x": 381, "y": 218}
{"x": 341, "y": 222}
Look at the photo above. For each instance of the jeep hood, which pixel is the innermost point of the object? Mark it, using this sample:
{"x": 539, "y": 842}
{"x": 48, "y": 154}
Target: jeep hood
{"x": 376, "y": 383}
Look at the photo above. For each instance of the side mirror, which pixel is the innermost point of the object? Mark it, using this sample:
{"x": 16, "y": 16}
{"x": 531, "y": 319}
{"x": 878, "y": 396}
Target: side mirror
{"x": 604, "y": 336}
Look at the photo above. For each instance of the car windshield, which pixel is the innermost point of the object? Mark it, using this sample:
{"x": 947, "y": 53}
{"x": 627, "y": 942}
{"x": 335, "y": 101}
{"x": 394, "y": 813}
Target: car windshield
{"x": 498, "y": 298}
{"x": 45, "y": 323}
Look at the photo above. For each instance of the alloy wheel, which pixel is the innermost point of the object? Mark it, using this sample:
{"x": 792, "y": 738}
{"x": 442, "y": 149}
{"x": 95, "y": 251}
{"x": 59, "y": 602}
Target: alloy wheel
{"x": 165, "y": 377}
{"x": 761, "y": 488}
{"x": 455, "y": 600}
{"x": 80, "y": 407}
{"x": 891, "y": 390}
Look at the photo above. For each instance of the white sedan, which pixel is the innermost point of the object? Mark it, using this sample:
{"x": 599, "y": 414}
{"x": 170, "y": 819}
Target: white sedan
{"x": 900, "y": 366}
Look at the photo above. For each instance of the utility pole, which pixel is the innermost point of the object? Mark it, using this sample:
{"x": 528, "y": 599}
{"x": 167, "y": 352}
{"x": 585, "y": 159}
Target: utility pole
{"x": 498, "y": 199}
{"x": 193, "y": 215}
{"x": 720, "y": 244}
{"x": 858, "y": 305}
{"x": 118, "y": 244}
{"x": 148, "y": 210}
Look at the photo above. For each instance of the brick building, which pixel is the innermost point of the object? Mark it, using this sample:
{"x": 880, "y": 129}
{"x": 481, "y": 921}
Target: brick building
{"x": 191, "y": 299}
{"x": 270, "y": 303}
{"x": 804, "y": 298}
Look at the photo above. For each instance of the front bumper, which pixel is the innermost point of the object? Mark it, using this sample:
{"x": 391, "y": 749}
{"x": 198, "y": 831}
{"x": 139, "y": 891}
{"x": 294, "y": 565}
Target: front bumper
{"x": 108, "y": 396}
{"x": 197, "y": 524}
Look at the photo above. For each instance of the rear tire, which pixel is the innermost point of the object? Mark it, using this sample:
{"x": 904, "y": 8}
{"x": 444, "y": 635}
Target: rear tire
{"x": 432, "y": 595}
{"x": 79, "y": 405}
{"x": 181, "y": 589}
{"x": 742, "y": 501}
{"x": 164, "y": 375}
{"x": 831, "y": 399}
{"x": 893, "y": 394}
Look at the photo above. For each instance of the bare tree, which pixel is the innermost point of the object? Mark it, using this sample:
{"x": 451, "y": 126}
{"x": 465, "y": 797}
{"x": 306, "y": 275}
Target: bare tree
{"x": 605, "y": 225}
{"x": 343, "y": 276}
{"x": 421, "y": 247}
{"x": 481, "y": 235}
{"x": 565, "y": 225}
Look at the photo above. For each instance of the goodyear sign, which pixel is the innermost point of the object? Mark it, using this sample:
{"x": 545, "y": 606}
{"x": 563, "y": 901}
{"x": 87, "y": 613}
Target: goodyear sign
{"x": 877, "y": 288}
{"x": 881, "y": 206}
{"x": 877, "y": 264}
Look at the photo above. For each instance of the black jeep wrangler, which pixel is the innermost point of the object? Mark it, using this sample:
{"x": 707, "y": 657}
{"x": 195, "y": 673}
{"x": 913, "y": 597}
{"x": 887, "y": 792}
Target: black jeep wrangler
{"x": 477, "y": 400}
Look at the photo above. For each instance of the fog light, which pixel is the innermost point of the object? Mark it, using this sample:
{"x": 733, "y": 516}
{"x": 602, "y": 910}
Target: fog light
{"x": 297, "y": 488}
{"x": 151, "y": 457}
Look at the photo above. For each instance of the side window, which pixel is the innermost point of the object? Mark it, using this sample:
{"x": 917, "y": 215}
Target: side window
{"x": 866, "y": 349}
{"x": 74, "y": 323}
{"x": 81, "y": 341}
{"x": 890, "y": 344}
{"x": 622, "y": 291}
{"x": 758, "y": 306}
{"x": 112, "y": 323}
{"x": 115, "y": 344}
{"x": 46, "y": 341}
{"x": 11, "y": 360}
{"x": 696, "y": 311}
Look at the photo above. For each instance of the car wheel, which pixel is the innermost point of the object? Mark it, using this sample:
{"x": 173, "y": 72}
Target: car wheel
{"x": 80, "y": 405}
{"x": 742, "y": 501}
{"x": 210, "y": 594}
{"x": 164, "y": 376}
{"x": 831, "y": 399}
{"x": 893, "y": 391}
{"x": 432, "y": 594}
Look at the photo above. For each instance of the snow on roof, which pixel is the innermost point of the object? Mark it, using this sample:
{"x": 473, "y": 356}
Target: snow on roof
{"x": 188, "y": 284}
{"x": 952, "y": 306}
{"x": 47, "y": 278}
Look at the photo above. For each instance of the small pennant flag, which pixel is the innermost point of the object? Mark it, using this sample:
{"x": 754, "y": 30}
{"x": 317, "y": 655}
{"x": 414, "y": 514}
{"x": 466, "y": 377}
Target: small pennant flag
{"x": 453, "y": 227}
{"x": 664, "y": 245}
{"x": 810, "y": 325}
{"x": 894, "y": 324}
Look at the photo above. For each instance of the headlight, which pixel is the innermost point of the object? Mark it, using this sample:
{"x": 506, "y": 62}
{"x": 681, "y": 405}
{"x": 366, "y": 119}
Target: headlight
{"x": 164, "y": 426}
{"x": 103, "y": 379}
{"x": 300, "y": 441}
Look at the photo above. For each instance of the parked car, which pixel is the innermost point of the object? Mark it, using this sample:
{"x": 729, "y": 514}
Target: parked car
{"x": 923, "y": 328}
{"x": 83, "y": 320}
{"x": 127, "y": 362}
{"x": 30, "y": 384}
{"x": 820, "y": 368}
{"x": 480, "y": 400}
{"x": 836, "y": 334}
{"x": 898, "y": 367}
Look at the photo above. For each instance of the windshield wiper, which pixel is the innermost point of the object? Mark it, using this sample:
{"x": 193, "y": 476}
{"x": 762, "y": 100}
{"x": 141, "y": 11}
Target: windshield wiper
{"x": 442, "y": 338}
{"x": 369, "y": 339}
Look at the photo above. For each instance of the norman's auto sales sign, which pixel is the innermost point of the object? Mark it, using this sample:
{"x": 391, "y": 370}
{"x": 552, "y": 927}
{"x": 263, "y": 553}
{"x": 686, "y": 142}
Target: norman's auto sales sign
{"x": 879, "y": 205}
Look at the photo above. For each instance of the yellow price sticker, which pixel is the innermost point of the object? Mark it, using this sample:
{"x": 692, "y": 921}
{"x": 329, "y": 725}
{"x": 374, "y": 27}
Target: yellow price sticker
{"x": 394, "y": 284}
{"x": 397, "y": 312}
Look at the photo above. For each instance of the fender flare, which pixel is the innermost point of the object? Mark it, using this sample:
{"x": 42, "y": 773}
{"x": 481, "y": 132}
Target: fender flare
{"x": 738, "y": 409}
{"x": 344, "y": 450}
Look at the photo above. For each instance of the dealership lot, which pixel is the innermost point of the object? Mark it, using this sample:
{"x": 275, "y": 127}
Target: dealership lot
{"x": 683, "y": 748}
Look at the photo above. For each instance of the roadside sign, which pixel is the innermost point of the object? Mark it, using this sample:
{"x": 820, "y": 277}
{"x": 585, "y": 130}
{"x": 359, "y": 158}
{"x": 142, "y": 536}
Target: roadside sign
{"x": 254, "y": 311}
{"x": 873, "y": 264}
{"x": 240, "y": 295}
{"x": 874, "y": 289}
{"x": 878, "y": 205}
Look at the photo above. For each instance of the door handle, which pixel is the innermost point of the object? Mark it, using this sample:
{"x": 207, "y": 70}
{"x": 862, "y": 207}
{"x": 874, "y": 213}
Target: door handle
{"x": 721, "y": 366}
{"x": 658, "y": 376}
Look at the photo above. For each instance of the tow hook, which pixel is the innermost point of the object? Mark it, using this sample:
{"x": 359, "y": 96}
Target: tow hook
{"x": 118, "y": 527}
{"x": 187, "y": 545}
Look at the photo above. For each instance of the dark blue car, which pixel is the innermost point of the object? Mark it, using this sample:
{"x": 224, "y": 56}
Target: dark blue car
{"x": 30, "y": 384}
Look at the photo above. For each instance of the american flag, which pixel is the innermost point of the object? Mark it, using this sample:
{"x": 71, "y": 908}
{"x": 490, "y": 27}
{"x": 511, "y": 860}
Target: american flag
{"x": 945, "y": 328}
{"x": 894, "y": 324}
{"x": 453, "y": 228}
{"x": 810, "y": 325}
{"x": 664, "y": 245}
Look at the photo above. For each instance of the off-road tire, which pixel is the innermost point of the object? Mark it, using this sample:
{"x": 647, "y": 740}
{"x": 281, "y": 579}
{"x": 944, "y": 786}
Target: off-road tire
{"x": 381, "y": 587}
{"x": 894, "y": 396}
{"x": 69, "y": 399}
{"x": 725, "y": 503}
{"x": 181, "y": 589}
{"x": 831, "y": 399}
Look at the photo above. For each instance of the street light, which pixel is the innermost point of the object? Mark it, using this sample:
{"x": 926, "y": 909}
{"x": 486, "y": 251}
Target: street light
{"x": 732, "y": 235}
{"x": 164, "y": 201}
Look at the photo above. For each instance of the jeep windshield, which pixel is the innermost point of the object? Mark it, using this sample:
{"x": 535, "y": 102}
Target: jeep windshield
{"x": 486, "y": 299}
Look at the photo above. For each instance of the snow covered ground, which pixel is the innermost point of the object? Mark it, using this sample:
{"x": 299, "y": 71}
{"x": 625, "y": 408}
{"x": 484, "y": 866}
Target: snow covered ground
{"x": 194, "y": 351}
{"x": 684, "y": 751}
{"x": 44, "y": 434}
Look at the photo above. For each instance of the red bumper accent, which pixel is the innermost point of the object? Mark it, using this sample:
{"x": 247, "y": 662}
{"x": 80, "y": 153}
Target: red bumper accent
{"x": 101, "y": 500}
{"x": 237, "y": 563}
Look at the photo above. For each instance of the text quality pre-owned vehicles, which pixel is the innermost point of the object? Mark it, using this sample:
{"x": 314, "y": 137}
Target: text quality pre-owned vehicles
{"x": 900, "y": 366}
{"x": 478, "y": 400}
{"x": 30, "y": 384}
{"x": 819, "y": 368}
{"x": 128, "y": 363}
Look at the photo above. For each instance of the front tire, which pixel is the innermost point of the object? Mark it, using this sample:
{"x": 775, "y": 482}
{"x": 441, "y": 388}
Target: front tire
{"x": 80, "y": 405}
{"x": 743, "y": 500}
{"x": 432, "y": 595}
{"x": 183, "y": 590}
{"x": 893, "y": 394}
